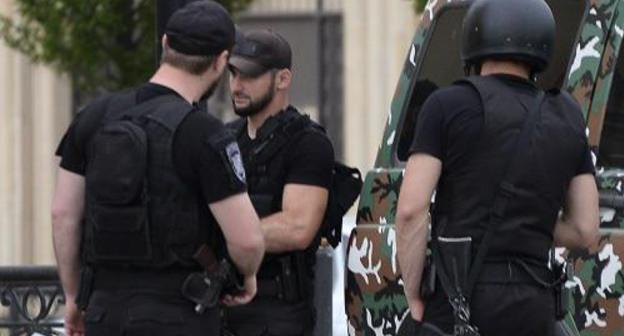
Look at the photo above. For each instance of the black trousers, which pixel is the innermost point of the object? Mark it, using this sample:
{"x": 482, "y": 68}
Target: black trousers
{"x": 143, "y": 313}
{"x": 270, "y": 317}
{"x": 512, "y": 309}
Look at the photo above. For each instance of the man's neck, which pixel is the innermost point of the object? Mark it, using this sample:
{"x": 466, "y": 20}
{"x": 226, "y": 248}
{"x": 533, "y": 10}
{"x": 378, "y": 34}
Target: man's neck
{"x": 492, "y": 67}
{"x": 257, "y": 120}
{"x": 190, "y": 87}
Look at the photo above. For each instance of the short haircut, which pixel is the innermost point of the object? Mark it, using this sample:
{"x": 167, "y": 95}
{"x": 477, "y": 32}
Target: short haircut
{"x": 193, "y": 64}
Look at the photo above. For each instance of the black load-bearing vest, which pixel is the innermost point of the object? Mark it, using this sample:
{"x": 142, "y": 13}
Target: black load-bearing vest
{"x": 464, "y": 200}
{"x": 264, "y": 157}
{"x": 265, "y": 167}
{"x": 138, "y": 212}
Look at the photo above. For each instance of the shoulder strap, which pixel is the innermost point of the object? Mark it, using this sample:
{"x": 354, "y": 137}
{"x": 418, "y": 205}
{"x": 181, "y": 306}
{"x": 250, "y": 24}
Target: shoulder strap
{"x": 506, "y": 190}
{"x": 279, "y": 137}
{"x": 157, "y": 109}
{"x": 167, "y": 110}
{"x": 237, "y": 126}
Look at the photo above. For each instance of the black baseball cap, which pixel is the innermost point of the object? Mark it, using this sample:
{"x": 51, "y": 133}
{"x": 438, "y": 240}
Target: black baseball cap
{"x": 201, "y": 28}
{"x": 258, "y": 51}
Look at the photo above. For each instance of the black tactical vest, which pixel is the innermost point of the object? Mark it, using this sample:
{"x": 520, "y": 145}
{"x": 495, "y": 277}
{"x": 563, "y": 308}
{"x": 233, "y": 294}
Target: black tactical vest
{"x": 464, "y": 203}
{"x": 265, "y": 167}
{"x": 138, "y": 212}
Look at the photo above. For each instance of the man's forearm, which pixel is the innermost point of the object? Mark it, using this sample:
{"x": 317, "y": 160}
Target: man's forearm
{"x": 579, "y": 222}
{"x": 564, "y": 235}
{"x": 280, "y": 233}
{"x": 295, "y": 226}
{"x": 67, "y": 213}
{"x": 247, "y": 260}
{"x": 66, "y": 236}
{"x": 568, "y": 235}
{"x": 241, "y": 229}
{"x": 411, "y": 250}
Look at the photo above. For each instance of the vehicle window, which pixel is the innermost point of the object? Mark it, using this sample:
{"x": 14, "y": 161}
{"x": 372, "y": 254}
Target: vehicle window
{"x": 441, "y": 64}
{"x": 611, "y": 149}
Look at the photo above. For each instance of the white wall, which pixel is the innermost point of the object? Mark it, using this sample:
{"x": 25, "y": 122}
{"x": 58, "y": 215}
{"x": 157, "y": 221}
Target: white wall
{"x": 377, "y": 35}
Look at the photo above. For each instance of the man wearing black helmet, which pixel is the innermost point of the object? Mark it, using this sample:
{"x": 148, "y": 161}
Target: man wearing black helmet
{"x": 148, "y": 184}
{"x": 504, "y": 158}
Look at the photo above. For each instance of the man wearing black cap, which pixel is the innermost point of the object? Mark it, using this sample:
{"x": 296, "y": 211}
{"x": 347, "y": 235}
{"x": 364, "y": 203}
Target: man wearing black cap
{"x": 513, "y": 175}
{"x": 289, "y": 163}
{"x": 146, "y": 182}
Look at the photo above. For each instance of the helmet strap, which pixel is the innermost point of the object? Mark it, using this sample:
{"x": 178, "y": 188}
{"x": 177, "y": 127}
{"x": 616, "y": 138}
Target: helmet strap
{"x": 470, "y": 66}
{"x": 467, "y": 68}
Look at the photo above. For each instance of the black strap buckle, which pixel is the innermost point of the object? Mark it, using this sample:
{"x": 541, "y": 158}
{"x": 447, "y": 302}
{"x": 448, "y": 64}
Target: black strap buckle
{"x": 461, "y": 310}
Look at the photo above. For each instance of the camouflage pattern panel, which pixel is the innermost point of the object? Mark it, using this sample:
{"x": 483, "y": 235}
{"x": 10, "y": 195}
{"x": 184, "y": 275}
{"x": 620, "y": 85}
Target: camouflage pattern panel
{"x": 602, "y": 90}
{"x": 597, "y": 287}
{"x": 588, "y": 53}
{"x": 378, "y": 199}
{"x": 375, "y": 304}
{"x": 403, "y": 91}
{"x": 611, "y": 186}
{"x": 597, "y": 300}
{"x": 374, "y": 300}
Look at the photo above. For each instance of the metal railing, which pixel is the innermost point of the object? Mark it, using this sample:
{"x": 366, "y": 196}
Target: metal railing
{"x": 31, "y": 301}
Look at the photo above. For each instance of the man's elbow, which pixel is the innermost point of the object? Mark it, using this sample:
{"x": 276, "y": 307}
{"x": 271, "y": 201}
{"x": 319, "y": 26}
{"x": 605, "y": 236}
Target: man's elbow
{"x": 406, "y": 215}
{"x": 259, "y": 245}
{"x": 253, "y": 244}
{"x": 590, "y": 235}
{"x": 60, "y": 215}
{"x": 302, "y": 239}
{"x": 403, "y": 216}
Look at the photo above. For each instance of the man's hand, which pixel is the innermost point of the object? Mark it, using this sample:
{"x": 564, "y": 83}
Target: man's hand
{"x": 74, "y": 319}
{"x": 246, "y": 296}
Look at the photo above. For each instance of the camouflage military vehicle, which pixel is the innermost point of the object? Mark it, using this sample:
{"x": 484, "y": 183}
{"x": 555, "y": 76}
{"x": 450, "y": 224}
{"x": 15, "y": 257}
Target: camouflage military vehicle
{"x": 589, "y": 63}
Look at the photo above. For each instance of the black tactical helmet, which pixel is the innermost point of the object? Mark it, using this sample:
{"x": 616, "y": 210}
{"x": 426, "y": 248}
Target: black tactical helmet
{"x": 512, "y": 29}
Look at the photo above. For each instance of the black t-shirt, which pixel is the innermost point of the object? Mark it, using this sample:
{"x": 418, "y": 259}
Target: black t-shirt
{"x": 449, "y": 128}
{"x": 308, "y": 160}
{"x": 451, "y": 120}
{"x": 199, "y": 147}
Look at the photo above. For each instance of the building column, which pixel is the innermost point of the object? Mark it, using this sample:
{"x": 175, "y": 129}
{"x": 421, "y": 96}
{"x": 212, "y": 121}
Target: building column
{"x": 52, "y": 115}
{"x": 35, "y": 104}
{"x": 377, "y": 37}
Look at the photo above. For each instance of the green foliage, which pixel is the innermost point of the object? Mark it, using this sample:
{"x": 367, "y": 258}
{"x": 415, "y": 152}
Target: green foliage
{"x": 419, "y": 5}
{"x": 99, "y": 43}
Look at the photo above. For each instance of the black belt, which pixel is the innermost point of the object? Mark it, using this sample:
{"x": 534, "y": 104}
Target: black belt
{"x": 516, "y": 271}
{"x": 115, "y": 279}
{"x": 270, "y": 288}
{"x": 274, "y": 288}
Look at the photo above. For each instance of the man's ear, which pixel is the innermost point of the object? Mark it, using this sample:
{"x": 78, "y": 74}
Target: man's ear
{"x": 283, "y": 79}
{"x": 164, "y": 41}
{"x": 221, "y": 61}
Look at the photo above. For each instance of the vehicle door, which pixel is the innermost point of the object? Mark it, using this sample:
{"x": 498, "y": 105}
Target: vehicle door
{"x": 589, "y": 34}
